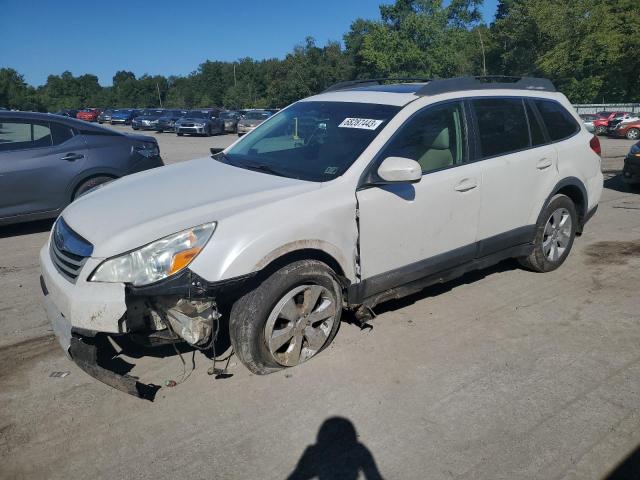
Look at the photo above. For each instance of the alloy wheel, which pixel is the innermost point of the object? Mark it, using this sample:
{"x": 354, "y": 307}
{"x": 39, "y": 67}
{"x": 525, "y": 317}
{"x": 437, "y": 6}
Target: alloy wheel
{"x": 557, "y": 234}
{"x": 300, "y": 324}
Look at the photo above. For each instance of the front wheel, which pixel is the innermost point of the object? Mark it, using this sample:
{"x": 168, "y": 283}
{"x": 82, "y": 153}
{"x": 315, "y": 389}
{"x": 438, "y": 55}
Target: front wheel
{"x": 601, "y": 130}
{"x": 289, "y": 318}
{"x": 633, "y": 134}
{"x": 555, "y": 233}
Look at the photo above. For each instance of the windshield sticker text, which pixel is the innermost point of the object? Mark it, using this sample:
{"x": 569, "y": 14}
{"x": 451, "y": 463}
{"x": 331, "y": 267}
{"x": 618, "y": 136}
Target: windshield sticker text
{"x": 364, "y": 123}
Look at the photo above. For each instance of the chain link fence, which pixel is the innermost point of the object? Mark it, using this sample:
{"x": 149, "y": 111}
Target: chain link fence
{"x": 607, "y": 107}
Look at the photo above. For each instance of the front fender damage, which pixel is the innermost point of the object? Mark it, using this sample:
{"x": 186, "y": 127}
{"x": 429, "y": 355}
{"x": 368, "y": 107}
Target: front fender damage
{"x": 180, "y": 310}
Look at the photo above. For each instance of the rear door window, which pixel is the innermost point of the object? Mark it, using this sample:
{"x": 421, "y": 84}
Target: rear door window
{"x": 502, "y": 125}
{"x": 560, "y": 124}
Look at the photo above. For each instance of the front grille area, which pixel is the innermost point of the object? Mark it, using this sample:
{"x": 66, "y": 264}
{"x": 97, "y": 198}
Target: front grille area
{"x": 69, "y": 251}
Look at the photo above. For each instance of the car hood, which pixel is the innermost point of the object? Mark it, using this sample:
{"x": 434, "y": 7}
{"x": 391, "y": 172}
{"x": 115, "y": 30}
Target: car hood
{"x": 138, "y": 209}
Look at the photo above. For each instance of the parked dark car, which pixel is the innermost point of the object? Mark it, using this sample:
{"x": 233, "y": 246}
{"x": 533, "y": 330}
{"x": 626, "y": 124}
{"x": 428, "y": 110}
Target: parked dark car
{"x": 631, "y": 169}
{"x": 47, "y": 161}
{"x": 105, "y": 116}
{"x": 124, "y": 116}
{"x": 200, "y": 122}
{"x": 231, "y": 119}
{"x": 167, "y": 122}
{"x": 67, "y": 113}
{"x": 147, "y": 119}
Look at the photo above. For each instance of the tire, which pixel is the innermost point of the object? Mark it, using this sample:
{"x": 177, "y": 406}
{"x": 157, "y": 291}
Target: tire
{"x": 601, "y": 130}
{"x": 135, "y": 128}
{"x": 633, "y": 134}
{"x": 90, "y": 184}
{"x": 553, "y": 243}
{"x": 257, "y": 315}
{"x": 179, "y": 134}
{"x": 208, "y": 132}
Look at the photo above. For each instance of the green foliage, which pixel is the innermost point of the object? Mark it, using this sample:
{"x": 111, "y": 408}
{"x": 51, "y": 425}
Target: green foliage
{"x": 587, "y": 47}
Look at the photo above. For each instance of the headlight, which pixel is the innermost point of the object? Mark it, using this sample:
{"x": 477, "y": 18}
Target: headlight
{"x": 147, "y": 149}
{"x": 157, "y": 260}
{"x": 199, "y": 124}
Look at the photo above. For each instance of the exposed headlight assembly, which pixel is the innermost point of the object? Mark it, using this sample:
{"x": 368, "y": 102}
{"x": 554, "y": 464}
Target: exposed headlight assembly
{"x": 147, "y": 149}
{"x": 157, "y": 260}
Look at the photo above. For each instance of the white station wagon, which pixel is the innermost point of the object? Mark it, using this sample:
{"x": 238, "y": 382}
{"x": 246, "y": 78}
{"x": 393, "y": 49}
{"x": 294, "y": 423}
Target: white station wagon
{"x": 366, "y": 192}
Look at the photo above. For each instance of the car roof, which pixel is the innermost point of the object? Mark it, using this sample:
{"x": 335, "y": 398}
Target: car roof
{"x": 403, "y": 91}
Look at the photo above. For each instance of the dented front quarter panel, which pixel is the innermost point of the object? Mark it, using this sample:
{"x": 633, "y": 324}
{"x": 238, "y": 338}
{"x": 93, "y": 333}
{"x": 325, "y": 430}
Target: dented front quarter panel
{"x": 91, "y": 306}
{"x": 321, "y": 219}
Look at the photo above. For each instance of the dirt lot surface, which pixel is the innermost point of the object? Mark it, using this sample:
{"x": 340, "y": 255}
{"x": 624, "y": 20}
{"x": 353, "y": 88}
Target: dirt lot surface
{"x": 502, "y": 374}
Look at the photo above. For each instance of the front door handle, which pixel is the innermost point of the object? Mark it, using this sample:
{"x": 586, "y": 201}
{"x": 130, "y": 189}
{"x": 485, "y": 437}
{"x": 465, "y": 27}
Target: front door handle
{"x": 544, "y": 163}
{"x": 465, "y": 185}
{"x": 70, "y": 157}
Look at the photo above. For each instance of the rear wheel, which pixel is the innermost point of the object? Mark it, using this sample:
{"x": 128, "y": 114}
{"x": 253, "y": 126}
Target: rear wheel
{"x": 89, "y": 185}
{"x": 555, "y": 233}
{"x": 633, "y": 134}
{"x": 289, "y": 318}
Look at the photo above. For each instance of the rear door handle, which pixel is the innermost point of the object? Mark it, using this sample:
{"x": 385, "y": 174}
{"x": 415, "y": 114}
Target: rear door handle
{"x": 70, "y": 157}
{"x": 544, "y": 163}
{"x": 465, "y": 185}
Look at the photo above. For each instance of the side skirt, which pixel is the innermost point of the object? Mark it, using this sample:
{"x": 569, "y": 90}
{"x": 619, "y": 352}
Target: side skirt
{"x": 357, "y": 294}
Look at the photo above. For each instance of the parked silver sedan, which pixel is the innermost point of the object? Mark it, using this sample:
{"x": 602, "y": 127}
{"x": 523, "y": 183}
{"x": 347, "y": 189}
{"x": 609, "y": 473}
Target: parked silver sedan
{"x": 251, "y": 120}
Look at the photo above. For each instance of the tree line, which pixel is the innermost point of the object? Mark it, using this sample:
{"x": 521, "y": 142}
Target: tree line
{"x": 588, "y": 48}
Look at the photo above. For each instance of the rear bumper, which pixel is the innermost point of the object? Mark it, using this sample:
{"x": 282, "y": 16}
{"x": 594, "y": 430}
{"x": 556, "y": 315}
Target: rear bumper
{"x": 631, "y": 170}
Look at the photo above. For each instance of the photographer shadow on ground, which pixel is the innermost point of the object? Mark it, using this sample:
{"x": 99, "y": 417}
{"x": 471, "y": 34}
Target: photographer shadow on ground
{"x": 337, "y": 454}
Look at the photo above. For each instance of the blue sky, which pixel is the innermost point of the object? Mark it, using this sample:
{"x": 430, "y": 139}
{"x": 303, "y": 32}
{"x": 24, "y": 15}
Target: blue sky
{"x": 39, "y": 38}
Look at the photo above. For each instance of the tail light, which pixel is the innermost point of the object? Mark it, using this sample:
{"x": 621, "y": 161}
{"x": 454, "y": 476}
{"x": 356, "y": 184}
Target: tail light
{"x": 595, "y": 145}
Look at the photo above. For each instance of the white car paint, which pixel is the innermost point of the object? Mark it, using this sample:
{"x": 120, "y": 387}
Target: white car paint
{"x": 261, "y": 217}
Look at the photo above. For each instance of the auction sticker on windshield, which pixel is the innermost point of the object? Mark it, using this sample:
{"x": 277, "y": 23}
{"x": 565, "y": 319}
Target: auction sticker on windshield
{"x": 364, "y": 123}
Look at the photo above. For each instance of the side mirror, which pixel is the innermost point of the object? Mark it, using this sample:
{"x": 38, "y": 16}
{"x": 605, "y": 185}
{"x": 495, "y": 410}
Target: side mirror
{"x": 400, "y": 170}
{"x": 215, "y": 150}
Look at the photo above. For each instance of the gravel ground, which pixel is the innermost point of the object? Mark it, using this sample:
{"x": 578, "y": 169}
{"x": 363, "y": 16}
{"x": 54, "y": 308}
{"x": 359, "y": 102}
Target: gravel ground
{"x": 501, "y": 374}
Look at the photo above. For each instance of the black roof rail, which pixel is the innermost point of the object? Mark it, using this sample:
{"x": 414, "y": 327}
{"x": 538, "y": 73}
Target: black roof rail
{"x": 373, "y": 81}
{"x": 444, "y": 85}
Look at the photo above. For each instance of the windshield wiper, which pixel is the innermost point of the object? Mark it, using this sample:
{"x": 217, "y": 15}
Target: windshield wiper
{"x": 260, "y": 167}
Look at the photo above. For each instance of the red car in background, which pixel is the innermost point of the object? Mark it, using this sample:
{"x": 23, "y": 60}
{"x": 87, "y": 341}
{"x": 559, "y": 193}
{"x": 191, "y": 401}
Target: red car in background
{"x": 630, "y": 130}
{"x": 600, "y": 125}
{"x": 89, "y": 114}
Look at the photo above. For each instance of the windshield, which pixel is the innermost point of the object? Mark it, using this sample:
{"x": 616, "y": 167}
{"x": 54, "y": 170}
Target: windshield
{"x": 228, "y": 115}
{"x": 255, "y": 115}
{"x": 123, "y": 111}
{"x": 149, "y": 113}
{"x": 316, "y": 141}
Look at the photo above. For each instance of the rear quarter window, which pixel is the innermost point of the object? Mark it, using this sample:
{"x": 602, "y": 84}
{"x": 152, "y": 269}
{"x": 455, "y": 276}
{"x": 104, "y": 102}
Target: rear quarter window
{"x": 560, "y": 123}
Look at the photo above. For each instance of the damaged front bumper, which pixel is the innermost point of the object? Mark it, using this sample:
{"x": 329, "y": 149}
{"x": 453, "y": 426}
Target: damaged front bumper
{"x": 86, "y": 315}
